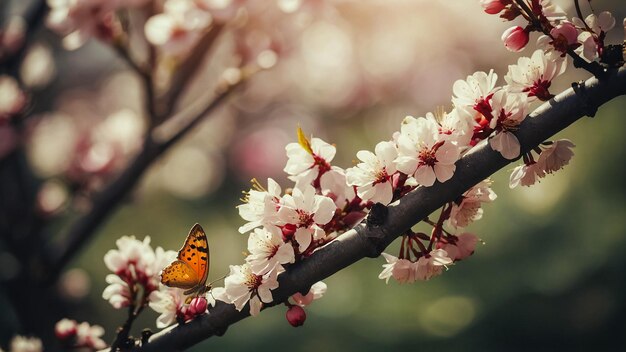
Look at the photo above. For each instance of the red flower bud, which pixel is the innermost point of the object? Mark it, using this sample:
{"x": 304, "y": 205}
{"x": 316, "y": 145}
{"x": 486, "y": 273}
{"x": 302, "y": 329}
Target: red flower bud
{"x": 492, "y": 7}
{"x": 296, "y": 316}
{"x": 515, "y": 38}
{"x": 288, "y": 231}
{"x": 198, "y": 306}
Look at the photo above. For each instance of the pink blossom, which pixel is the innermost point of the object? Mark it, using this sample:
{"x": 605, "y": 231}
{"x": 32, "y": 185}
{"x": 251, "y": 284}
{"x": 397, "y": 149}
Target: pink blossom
{"x": 556, "y": 155}
{"x": 178, "y": 28}
{"x": 562, "y": 38}
{"x": 534, "y": 75}
{"x": 372, "y": 177}
{"x": 526, "y": 175}
{"x": 508, "y": 111}
{"x": 589, "y": 47}
{"x": 552, "y": 12}
{"x": 462, "y": 247}
{"x": 267, "y": 250}
{"x": 317, "y": 290}
{"x": 593, "y": 28}
{"x": 422, "y": 152}
{"x": 261, "y": 206}
{"x": 432, "y": 264}
{"x": 402, "y": 270}
{"x": 515, "y": 38}
{"x": 455, "y": 127}
{"x": 305, "y": 212}
{"x": 469, "y": 209}
{"x": 296, "y": 316}
{"x": 89, "y": 336}
{"x": 407, "y": 271}
{"x": 133, "y": 263}
{"x": 471, "y": 95}
{"x": 242, "y": 286}
{"x": 333, "y": 185}
{"x": 117, "y": 292}
{"x": 169, "y": 302}
{"x": 307, "y": 165}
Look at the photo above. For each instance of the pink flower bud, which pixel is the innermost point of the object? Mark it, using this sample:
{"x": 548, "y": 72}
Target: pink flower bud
{"x": 288, "y": 231}
{"x": 296, "y": 316}
{"x": 515, "y": 38}
{"x": 198, "y": 306}
{"x": 492, "y": 7}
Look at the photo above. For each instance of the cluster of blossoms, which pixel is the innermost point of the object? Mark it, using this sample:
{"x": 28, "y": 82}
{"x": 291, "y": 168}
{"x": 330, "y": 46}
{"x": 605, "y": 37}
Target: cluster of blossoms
{"x": 74, "y": 335}
{"x": 174, "y": 27}
{"x": 288, "y": 226}
{"x": 585, "y": 37}
{"x": 133, "y": 263}
{"x": 327, "y": 200}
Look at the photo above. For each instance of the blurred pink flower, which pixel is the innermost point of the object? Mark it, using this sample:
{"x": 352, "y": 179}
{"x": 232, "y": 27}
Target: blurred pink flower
{"x": 178, "y": 28}
{"x": 12, "y": 99}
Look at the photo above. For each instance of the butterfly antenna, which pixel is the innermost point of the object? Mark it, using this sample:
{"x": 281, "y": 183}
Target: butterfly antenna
{"x": 216, "y": 280}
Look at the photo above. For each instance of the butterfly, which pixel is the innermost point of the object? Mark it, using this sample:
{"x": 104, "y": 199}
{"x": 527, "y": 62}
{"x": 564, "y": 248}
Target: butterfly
{"x": 191, "y": 268}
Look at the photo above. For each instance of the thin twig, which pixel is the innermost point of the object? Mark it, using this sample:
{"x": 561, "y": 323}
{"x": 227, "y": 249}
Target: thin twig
{"x": 186, "y": 69}
{"x": 107, "y": 200}
{"x": 363, "y": 241}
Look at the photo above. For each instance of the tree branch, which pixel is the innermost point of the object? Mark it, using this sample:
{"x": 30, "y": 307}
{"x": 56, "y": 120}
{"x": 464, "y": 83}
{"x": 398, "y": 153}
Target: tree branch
{"x": 363, "y": 241}
{"x": 167, "y": 101}
{"x": 106, "y": 201}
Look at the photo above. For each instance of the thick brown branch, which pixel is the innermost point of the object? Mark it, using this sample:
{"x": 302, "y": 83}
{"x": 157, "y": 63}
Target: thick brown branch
{"x": 362, "y": 242}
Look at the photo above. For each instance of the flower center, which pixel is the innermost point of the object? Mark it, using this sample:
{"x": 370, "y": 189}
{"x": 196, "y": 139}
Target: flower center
{"x": 427, "y": 155}
{"x": 304, "y": 219}
{"x": 253, "y": 281}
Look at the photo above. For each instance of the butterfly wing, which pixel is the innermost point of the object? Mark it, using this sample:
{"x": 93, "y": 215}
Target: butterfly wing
{"x": 191, "y": 269}
{"x": 179, "y": 274}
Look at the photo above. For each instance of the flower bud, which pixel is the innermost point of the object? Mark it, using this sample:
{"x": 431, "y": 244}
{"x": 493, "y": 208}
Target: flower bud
{"x": 492, "y": 7}
{"x": 198, "y": 306}
{"x": 288, "y": 231}
{"x": 515, "y": 38}
{"x": 296, "y": 316}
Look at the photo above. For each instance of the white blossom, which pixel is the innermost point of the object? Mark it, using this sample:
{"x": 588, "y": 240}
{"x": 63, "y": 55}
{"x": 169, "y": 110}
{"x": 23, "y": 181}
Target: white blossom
{"x": 242, "y": 286}
{"x": 261, "y": 206}
{"x": 267, "y": 250}
{"x": 372, "y": 176}
{"x": 423, "y": 154}
{"x": 469, "y": 209}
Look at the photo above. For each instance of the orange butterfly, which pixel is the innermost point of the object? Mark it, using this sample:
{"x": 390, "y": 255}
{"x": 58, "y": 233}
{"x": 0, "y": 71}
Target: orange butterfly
{"x": 191, "y": 269}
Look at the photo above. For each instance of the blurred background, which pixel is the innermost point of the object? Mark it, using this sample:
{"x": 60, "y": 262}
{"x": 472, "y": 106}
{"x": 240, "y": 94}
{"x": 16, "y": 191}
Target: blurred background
{"x": 550, "y": 275}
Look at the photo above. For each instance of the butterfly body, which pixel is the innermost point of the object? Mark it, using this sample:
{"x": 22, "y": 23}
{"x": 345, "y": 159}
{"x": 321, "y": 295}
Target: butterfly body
{"x": 191, "y": 268}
